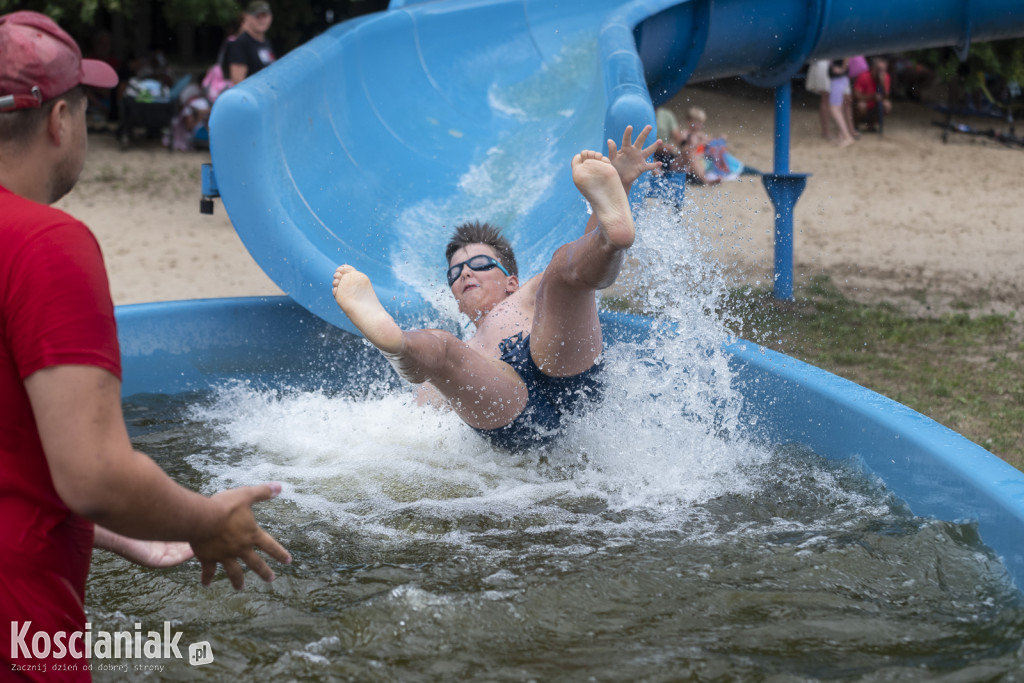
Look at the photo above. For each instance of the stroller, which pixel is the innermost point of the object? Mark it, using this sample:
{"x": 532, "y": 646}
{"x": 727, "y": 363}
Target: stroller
{"x": 147, "y": 103}
{"x": 1001, "y": 101}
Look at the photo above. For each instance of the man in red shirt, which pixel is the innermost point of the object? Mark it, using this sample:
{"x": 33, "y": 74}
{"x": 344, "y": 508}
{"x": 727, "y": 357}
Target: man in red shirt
{"x": 66, "y": 462}
{"x": 867, "y": 95}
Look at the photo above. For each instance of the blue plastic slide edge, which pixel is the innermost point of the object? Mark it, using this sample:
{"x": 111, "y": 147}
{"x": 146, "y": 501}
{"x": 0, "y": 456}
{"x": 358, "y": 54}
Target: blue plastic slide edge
{"x": 185, "y": 346}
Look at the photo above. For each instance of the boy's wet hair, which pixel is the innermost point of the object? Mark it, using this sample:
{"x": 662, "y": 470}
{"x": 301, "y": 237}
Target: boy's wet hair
{"x": 483, "y": 233}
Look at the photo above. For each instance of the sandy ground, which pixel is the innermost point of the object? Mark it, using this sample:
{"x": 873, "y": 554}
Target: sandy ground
{"x": 904, "y": 217}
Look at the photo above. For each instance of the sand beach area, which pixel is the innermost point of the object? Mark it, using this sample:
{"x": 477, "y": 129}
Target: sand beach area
{"x": 904, "y": 218}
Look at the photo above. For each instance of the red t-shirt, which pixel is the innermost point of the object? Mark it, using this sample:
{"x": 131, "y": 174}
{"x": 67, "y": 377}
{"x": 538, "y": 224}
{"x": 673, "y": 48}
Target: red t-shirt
{"x": 55, "y": 309}
{"x": 866, "y": 85}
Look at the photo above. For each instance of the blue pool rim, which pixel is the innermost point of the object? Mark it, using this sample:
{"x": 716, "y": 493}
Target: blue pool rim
{"x": 183, "y": 346}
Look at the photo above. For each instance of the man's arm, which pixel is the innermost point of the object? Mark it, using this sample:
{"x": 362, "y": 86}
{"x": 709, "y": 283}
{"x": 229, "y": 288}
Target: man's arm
{"x": 100, "y": 476}
{"x": 153, "y": 554}
{"x": 238, "y": 73}
{"x": 235, "y": 59}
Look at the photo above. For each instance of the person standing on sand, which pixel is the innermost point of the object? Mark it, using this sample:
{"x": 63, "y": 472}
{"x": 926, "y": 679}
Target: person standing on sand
{"x": 839, "y": 88}
{"x": 534, "y": 356}
{"x": 66, "y": 462}
{"x": 250, "y": 51}
{"x": 819, "y": 83}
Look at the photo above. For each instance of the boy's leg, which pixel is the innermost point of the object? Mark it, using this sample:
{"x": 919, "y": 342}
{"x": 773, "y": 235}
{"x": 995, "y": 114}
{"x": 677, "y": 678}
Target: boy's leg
{"x": 566, "y": 335}
{"x": 485, "y": 392}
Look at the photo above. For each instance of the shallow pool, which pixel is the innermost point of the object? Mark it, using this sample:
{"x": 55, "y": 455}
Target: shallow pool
{"x": 422, "y": 554}
{"x": 654, "y": 542}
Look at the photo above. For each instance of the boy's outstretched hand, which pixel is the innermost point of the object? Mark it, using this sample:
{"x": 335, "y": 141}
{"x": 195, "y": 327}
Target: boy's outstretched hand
{"x": 630, "y": 158}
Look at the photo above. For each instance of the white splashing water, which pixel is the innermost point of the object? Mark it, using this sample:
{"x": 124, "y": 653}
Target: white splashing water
{"x": 659, "y": 444}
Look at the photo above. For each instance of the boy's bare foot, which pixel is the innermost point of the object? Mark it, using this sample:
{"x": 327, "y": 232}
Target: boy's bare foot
{"x": 354, "y": 294}
{"x": 598, "y": 181}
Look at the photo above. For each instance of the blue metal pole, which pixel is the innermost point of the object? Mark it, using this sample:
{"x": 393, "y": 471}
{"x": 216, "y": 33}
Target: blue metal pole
{"x": 783, "y": 96}
{"x": 784, "y": 189}
{"x": 783, "y": 217}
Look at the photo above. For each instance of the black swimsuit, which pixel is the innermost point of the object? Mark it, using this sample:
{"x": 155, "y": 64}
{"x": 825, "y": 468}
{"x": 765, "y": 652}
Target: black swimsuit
{"x": 548, "y": 398}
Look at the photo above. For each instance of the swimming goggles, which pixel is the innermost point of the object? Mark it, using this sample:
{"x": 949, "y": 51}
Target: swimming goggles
{"x": 477, "y": 263}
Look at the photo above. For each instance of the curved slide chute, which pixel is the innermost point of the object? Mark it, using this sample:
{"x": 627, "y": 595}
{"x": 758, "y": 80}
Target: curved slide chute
{"x": 369, "y": 143}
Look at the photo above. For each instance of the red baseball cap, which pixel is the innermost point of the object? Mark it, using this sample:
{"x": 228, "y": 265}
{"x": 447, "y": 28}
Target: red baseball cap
{"x": 39, "y": 61}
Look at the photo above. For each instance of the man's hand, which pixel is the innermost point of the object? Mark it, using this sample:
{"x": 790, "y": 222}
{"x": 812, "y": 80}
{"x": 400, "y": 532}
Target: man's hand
{"x": 630, "y": 159}
{"x": 99, "y": 476}
{"x": 160, "y": 554}
{"x": 238, "y": 537}
{"x": 153, "y": 554}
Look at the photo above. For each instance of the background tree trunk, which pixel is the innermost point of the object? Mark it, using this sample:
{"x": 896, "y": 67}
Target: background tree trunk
{"x": 142, "y": 24}
{"x": 186, "y": 42}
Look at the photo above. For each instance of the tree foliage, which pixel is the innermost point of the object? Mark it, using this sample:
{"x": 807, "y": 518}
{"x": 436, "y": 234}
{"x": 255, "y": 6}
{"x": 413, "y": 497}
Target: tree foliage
{"x": 295, "y": 21}
{"x": 84, "y": 12}
{"x": 999, "y": 59}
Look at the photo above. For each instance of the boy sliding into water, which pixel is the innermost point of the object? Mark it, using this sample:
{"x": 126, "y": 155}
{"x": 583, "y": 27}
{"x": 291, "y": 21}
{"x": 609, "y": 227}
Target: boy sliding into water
{"x": 533, "y": 355}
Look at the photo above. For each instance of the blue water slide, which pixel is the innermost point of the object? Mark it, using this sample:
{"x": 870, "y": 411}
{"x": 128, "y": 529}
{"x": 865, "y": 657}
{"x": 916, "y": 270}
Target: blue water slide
{"x": 367, "y": 144}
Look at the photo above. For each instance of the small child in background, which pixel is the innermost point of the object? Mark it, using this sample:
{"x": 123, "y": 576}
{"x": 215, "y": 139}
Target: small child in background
{"x": 189, "y": 128}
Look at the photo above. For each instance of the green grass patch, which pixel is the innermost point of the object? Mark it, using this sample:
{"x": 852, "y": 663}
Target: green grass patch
{"x": 963, "y": 371}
